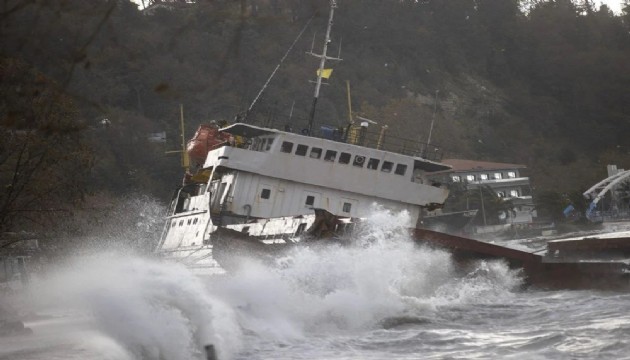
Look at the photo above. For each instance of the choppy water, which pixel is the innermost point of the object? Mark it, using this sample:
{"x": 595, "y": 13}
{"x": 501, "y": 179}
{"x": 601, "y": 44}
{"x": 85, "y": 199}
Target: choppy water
{"x": 382, "y": 298}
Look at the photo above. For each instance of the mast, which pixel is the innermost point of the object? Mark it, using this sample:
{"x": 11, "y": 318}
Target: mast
{"x": 185, "y": 157}
{"x": 322, "y": 62}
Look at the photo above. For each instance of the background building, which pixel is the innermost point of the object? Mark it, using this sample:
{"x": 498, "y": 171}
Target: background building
{"x": 499, "y": 191}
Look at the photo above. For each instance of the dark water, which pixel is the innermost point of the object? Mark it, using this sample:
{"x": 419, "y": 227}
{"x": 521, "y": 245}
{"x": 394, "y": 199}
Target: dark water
{"x": 382, "y": 298}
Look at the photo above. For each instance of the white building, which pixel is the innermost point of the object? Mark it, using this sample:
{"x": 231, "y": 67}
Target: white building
{"x": 506, "y": 180}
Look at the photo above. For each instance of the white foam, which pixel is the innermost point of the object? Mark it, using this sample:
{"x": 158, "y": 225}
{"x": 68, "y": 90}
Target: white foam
{"x": 382, "y": 274}
{"x": 154, "y": 309}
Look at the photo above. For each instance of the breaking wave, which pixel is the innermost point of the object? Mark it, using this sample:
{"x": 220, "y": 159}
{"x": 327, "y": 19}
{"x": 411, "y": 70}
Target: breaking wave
{"x": 381, "y": 276}
{"x": 381, "y": 279}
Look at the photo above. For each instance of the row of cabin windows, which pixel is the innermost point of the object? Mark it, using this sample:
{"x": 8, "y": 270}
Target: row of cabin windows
{"x": 344, "y": 158}
{"x": 482, "y": 177}
{"x": 181, "y": 222}
{"x": 310, "y": 200}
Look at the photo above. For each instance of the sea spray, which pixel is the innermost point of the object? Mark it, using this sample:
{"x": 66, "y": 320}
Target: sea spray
{"x": 340, "y": 287}
{"x": 377, "y": 279}
{"x": 154, "y": 309}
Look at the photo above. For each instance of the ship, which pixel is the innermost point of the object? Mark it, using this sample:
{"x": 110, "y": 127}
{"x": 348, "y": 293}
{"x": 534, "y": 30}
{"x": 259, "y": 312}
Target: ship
{"x": 275, "y": 187}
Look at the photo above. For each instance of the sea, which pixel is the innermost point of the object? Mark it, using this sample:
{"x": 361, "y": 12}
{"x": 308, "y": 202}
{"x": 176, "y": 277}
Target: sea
{"x": 379, "y": 296}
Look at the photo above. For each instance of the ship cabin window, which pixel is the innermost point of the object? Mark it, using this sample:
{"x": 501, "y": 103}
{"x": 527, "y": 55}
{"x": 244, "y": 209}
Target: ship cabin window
{"x": 344, "y": 158}
{"x": 346, "y": 207}
{"x": 401, "y": 169}
{"x": 310, "y": 200}
{"x": 387, "y": 166}
{"x": 265, "y": 194}
{"x": 470, "y": 177}
{"x": 195, "y": 221}
{"x": 316, "y": 153}
{"x": 514, "y": 193}
{"x": 456, "y": 178}
{"x": 498, "y": 176}
{"x": 263, "y": 144}
{"x": 373, "y": 163}
{"x": 483, "y": 177}
{"x": 501, "y": 194}
{"x": 511, "y": 174}
{"x": 358, "y": 161}
{"x": 189, "y": 222}
{"x": 330, "y": 155}
{"x": 301, "y": 150}
{"x": 287, "y": 147}
{"x": 260, "y": 144}
{"x": 181, "y": 222}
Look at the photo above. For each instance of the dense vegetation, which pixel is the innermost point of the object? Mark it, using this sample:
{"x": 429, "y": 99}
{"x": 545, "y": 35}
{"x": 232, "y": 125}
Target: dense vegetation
{"x": 540, "y": 82}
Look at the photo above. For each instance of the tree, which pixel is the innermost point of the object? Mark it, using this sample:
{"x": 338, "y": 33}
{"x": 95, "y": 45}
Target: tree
{"x": 44, "y": 164}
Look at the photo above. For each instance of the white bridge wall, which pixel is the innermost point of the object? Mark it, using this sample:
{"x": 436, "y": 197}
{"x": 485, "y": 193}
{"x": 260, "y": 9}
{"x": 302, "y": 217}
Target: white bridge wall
{"x": 288, "y": 198}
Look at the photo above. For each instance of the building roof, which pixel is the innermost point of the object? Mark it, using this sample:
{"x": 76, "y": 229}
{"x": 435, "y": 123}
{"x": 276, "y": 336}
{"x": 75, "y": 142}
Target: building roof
{"x": 459, "y": 165}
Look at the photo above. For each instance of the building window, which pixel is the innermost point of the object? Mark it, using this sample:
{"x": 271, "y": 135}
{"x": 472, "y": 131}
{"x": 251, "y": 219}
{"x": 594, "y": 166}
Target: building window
{"x": 400, "y": 169}
{"x": 344, "y": 158}
{"x": 470, "y": 177}
{"x": 265, "y": 194}
{"x": 498, "y": 176}
{"x": 347, "y": 207}
{"x": 511, "y": 174}
{"x": 501, "y": 194}
{"x": 330, "y": 155}
{"x": 310, "y": 200}
{"x": 456, "y": 178}
{"x": 316, "y": 153}
{"x": 387, "y": 166}
{"x": 301, "y": 150}
{"x": 373, "y": 163}
{"x": 483, "y": 176}
{"x": 269, "y": 142}
{"x": 287, "y": 147}
{"x": 514, "y": 193}
{"x": 358, "y": 161}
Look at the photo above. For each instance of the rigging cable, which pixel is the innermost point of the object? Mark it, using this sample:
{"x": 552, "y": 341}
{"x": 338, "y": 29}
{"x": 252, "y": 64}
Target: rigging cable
{"x": 278, "y": 66}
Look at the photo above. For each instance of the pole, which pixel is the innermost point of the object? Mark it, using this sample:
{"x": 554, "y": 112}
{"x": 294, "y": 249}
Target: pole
{"x": 433, "y": 117}
{"x": 185, "y": 159}
{"x": 483, "y": 210}
{"x": 322, "y": 62}
{"x": 349, "y": 102}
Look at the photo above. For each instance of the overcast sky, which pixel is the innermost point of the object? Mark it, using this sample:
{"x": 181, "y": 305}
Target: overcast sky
{"x": 615, "y": 5}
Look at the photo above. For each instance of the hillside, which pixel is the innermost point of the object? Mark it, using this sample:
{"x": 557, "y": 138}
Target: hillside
{"x": 541, "y": 83}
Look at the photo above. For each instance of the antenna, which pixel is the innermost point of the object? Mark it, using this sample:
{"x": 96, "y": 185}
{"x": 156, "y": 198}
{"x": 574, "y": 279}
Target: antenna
{"x": 323, "y": 58}
{"x": 433, "y": 117}
{"x": 339, "y": 53}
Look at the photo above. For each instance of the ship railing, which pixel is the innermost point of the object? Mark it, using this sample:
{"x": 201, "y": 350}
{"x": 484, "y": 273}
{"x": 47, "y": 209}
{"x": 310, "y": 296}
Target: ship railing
{"x": 374, "y": 136}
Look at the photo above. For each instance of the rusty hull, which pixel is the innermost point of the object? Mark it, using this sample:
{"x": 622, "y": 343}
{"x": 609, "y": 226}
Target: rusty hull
{"x": 539, "y": 271}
